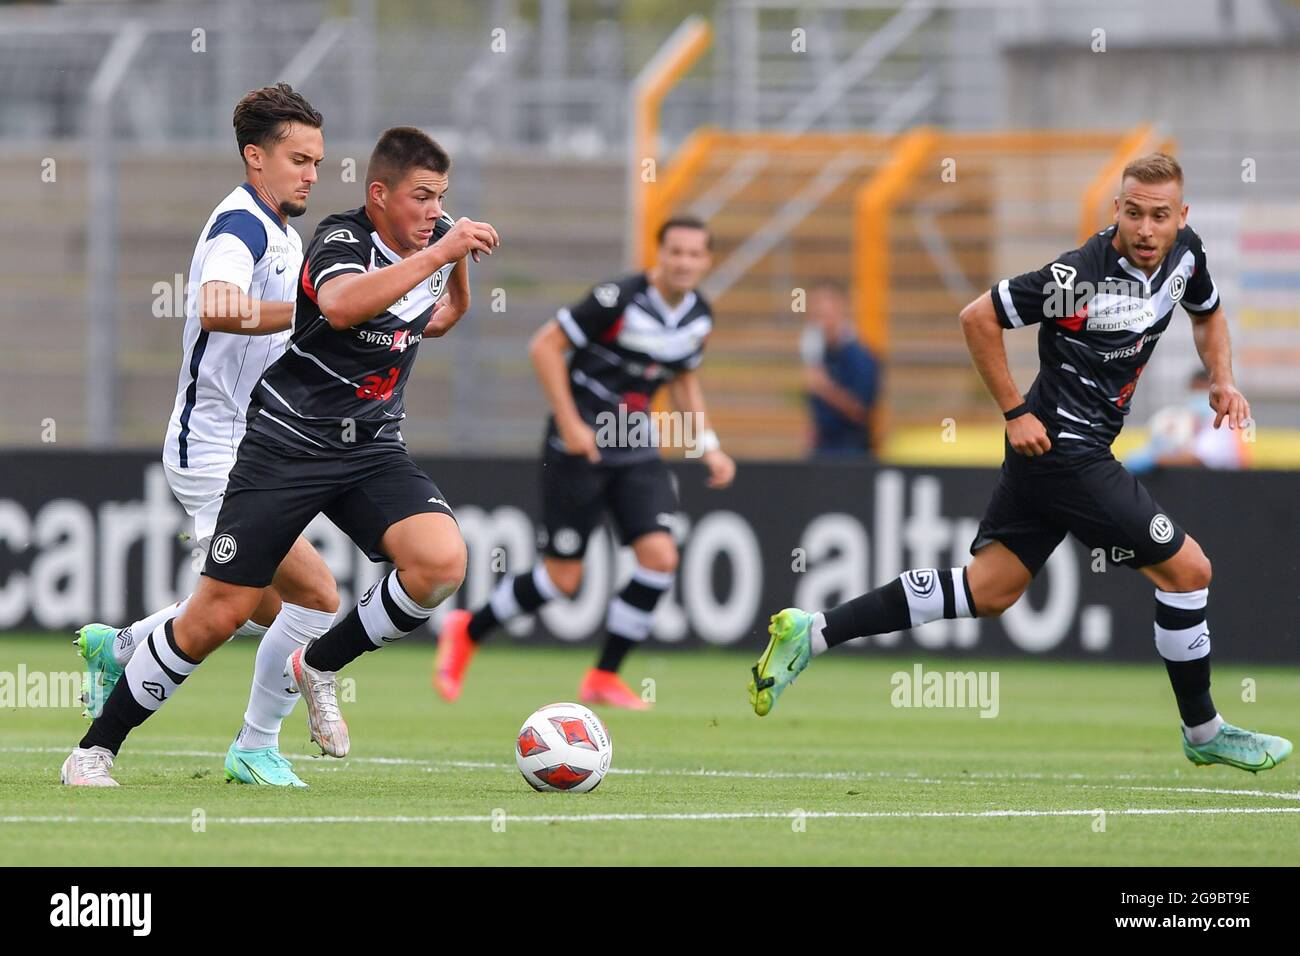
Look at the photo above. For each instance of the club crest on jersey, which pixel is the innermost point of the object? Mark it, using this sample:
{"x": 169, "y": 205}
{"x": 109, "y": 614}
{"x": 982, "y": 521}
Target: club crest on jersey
{"x": 1063, "y": 274}
{"x": 1177, "y": 286}
{"x": 606, "y": 294}
{"x": 340, "y": 235}
{"x": 438, "y": 280}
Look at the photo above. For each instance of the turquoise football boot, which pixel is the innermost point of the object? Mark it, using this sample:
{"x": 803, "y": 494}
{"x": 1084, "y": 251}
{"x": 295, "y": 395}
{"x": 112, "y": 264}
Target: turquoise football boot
{"x": 95, "y": 645}
{"x": 262, "y": 767}
{"x": 788, "y": 652}
{"x": 1239, "y": 748}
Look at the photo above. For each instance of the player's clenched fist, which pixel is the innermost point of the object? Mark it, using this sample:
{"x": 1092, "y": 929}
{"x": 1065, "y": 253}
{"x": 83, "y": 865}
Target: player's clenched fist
{"x": 1028, "y": 436}
{"x": 469, "y": 238}
{"x": 579, "y": 439}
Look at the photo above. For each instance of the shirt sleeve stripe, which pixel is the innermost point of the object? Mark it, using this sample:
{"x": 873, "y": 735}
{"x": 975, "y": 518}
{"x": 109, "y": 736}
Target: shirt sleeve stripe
{"x": 571, "y": 329}
{"x": 245, "y": 227}
{"x": 1208, "y": 305}
{"x": 1009, "y": 307}
{"x": 342, "y": 265}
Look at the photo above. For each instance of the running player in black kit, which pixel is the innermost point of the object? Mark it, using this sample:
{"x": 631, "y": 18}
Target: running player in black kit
{"x": 1100, "y": 310}
{"x": 324, "y": 437}
{"x": 626, "y": 339}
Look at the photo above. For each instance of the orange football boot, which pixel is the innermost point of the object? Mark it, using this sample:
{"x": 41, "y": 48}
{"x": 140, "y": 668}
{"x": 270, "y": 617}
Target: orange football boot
{"x": 606, "y": 687}
{"x": 455, "y": 648}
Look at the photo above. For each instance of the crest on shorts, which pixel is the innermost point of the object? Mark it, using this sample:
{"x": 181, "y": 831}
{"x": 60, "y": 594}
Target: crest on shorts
{"x": 223, "y": 548}
{"x": 567, "y": 541}
{"x": 1162, "y": 529}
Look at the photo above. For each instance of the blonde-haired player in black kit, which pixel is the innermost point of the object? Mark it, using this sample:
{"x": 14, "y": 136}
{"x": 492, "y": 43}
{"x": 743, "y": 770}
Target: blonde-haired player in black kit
{"x": 1100, "y": 310}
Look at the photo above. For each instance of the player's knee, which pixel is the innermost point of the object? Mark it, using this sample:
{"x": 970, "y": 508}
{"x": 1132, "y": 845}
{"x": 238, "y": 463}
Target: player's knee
{"x": 565, "y": 575}
{"x": 994, "y": 601}
{"x": 317, "y": 596}
{"x": 657, "y": 553}
{"x": 1190, "y": 571}
{"x": 207, "y": 629}
{"x": 1198, "y": 574}
{"x": 662, "y": 560}
{"x": 436, "y": 572}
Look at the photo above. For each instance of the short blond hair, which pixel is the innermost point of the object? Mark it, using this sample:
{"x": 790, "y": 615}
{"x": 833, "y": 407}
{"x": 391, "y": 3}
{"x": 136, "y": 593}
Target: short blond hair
{"x": 1154, "y": 168}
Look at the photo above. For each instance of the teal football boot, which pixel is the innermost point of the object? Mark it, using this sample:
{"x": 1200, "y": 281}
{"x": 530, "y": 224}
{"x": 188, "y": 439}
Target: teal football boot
{"x": 262, "y": 767}
{"x": 95, "y": 645}
{"x": 1239, "y": 748}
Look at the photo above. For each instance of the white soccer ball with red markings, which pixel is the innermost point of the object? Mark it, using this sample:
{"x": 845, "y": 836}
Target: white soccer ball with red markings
{"x": 563, "y": 747}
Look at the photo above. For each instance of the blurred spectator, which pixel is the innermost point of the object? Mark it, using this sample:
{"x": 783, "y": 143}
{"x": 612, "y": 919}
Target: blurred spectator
{"x": 841, "y": 377}
{"x": 1184, "y": 435}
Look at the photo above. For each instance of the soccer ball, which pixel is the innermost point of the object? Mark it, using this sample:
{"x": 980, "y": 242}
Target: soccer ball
{"x": 563, "y": 747}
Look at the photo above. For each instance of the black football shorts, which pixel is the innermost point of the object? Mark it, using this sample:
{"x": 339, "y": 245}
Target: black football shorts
{"x": 274, "y": 492}
{"x": 1039, "y": 500}
{"x": 640, "y": 497}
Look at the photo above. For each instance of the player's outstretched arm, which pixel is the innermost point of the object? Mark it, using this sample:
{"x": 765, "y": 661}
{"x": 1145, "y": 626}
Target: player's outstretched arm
{"x": 453, "y": 305}
{"x": 979, "y": 324}
{"x": 688, "y": 398}
{"x": 1212, "y": 343}
{"x": 224, "y": 307}
{"x": 355, "y": 297}
{"x": 547, "y": 350}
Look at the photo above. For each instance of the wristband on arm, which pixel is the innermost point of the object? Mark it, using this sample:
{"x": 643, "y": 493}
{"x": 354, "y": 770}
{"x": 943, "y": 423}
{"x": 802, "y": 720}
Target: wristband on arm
{"x": 1016, "y": 412}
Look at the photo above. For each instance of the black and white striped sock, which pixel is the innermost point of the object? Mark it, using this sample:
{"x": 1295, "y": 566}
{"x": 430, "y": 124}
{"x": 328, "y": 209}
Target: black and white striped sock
{"x": 914, "y": 598}
{"x": 631, "y": 615}
{"x": 515, "y": 594}
{"x": 1183, "y": 641}
{"x": 385, "y": 613}
{"x": 151, "y": 678}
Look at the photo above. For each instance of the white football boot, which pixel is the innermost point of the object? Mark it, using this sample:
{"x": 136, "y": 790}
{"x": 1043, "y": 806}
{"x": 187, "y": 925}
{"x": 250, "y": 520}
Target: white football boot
{"x": 88, "y": 768}
{"x": 320, "y": 692}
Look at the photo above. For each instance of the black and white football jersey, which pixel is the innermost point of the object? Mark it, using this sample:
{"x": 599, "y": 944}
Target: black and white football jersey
{"x": 627, "y": 342}
{"x": 1099, "y": 319}
{"x": 336, "y": 391}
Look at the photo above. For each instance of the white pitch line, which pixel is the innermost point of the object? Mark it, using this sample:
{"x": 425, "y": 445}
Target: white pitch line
{"x": 1231, "y": 791}
{"x": 648, "y": 817}
{"x": 969, "y": 778}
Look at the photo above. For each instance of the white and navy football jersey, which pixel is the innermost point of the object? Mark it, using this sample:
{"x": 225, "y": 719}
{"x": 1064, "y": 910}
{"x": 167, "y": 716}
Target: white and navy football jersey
{"x": 627, "y": 342}
{"x": 242, "y": 243}
{"x": 1099, "y": 319}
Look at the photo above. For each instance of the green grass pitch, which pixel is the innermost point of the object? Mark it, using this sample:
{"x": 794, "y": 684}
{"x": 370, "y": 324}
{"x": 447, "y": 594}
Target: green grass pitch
{"x": 834, "y": 775}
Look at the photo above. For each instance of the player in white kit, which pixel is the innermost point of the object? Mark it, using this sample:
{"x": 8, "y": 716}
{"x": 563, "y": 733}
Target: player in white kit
{"x": 239, "y": 312}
